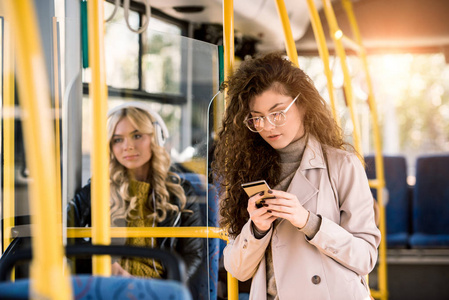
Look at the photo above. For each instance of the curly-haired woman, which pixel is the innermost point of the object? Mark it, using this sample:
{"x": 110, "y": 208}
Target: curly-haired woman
{"x": 316, "y": 238}
{"x": 144, "y": 192}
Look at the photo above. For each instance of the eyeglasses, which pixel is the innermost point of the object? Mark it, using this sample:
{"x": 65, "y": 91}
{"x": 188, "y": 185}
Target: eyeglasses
{"x": 277, "y": 118}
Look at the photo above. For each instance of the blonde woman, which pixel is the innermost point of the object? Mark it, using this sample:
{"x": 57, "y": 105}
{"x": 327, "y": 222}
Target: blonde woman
{"x": 144, "y": 192}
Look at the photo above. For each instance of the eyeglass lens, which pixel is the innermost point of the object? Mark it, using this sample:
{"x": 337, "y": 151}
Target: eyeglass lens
{"x": 258, "y": 123}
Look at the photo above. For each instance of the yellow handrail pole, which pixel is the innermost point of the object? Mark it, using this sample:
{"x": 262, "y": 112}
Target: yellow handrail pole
{"x": 380, "y": 175}
{"x": 228, "y": 34}
{"x": 290, "y": 45}
{"x": 347, "y": 6}
{"x": 181, "y": 232}
{"x": 57, "y": 127}
{"x": 228, "y": 47}
{"x": 8, "y": 135}
{"x": 233, "y": 286}
{"x": 47, "y": 279}
{"x": 350, "y": 43}
{"x": 157, "y": 232}
{"x": 336, "y": 34}
{"x": 101, "y": 264}
{"x": 324, "y": 54}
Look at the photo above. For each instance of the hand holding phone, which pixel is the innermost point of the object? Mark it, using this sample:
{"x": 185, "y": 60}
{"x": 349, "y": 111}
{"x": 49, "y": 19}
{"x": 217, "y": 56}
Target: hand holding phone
{"x": 255, "y": 187}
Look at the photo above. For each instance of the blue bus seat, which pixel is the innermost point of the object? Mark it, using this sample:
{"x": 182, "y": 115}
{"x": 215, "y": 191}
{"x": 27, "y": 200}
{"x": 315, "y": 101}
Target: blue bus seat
{"x": 87, "y": 287}
{"x": 431, "y": 202}
{"x": 96, "y": 287}
{"x": 198, "y": 182}
{"x": 398, "y": 208}
{"x": 205, "y": 286}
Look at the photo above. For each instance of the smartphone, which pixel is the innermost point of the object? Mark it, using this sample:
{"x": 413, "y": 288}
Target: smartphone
{"x": 255, "y": 187}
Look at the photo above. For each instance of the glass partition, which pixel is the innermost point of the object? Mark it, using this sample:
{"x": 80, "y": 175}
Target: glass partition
{"x": 15, "y": 210}
{"x": 178, "y": 78}
{"x": 16, "y": 180}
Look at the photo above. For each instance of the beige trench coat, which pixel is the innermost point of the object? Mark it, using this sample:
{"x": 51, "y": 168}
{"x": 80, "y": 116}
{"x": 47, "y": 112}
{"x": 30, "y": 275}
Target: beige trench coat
{"x": 332, "y": 265}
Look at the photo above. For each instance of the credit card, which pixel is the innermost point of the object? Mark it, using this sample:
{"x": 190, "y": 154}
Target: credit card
{"x": 255, "y": 187}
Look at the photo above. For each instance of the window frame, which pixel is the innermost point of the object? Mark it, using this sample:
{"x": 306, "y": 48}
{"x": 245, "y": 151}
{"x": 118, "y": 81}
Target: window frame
{"x": 139, "y": 93}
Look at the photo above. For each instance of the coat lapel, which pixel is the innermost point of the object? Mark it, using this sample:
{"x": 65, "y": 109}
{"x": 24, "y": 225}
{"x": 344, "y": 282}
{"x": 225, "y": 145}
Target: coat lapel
{"x": 302, "y": 184}
{"x": 302, "y": 188}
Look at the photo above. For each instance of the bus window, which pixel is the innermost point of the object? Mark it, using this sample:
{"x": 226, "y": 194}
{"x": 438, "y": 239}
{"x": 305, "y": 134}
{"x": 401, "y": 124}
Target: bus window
{"x": 411, "y": 93}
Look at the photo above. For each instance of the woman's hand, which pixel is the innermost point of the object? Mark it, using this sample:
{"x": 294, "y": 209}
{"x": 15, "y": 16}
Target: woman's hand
{"x": 287, "y": 206}
{"x": 117, "y": 270}
{"x": 260, "y": 217}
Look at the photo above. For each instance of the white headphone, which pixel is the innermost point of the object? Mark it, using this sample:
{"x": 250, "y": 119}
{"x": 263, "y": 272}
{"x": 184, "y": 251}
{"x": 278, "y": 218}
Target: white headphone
{"x": 161, "y": 131}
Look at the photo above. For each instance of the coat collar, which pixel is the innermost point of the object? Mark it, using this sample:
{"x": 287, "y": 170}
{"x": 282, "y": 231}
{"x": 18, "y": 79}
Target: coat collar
{"x": 313, "y": 155}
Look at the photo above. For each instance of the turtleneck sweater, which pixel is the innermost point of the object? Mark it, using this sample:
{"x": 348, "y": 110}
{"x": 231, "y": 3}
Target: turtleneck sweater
{"x": 290, "y": 160}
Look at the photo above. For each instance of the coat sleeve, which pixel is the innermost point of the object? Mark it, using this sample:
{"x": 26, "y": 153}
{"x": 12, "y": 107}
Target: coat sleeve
{"x": 190, "y": 249}
{"x": 243, "y": 254}
{"x": 353, "y": 243}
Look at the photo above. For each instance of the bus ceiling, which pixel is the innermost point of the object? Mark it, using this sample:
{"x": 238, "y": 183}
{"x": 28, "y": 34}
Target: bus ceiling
{"x": 387, "y": 26}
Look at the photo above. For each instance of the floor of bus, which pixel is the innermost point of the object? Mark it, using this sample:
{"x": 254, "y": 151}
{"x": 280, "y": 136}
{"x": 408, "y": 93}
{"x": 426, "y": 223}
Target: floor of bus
{"x": 416, "y": 274}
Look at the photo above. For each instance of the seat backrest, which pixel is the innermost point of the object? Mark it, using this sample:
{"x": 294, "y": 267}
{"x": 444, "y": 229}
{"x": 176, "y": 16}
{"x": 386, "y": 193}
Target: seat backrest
{"x": 398, "y": 209}
{"x": 95, "y": 287}
{"x": 203, "y": 284}
{"x": 86, "y": 287}
{"x": 173, "y": 264}
{"x": 431, "y": 201}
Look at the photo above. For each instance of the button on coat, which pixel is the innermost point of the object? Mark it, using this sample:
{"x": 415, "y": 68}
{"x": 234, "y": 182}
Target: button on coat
{"x": 316, "y": 279}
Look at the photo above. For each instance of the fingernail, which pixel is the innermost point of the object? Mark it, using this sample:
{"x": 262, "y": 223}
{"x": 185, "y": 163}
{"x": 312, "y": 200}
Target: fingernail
{"x": 266, "y": 205}
{"x": 262, "y": 201}
{"x": 261, "y": 193}
{"x": 269, "y": 211}
{"x": 270, "y": 192}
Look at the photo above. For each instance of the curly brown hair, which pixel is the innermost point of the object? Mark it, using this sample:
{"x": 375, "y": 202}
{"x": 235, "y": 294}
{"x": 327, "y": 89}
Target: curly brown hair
{"x": 243, "y": 156}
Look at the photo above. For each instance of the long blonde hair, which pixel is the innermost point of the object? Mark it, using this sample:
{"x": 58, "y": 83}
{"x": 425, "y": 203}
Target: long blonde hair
{"x": 123, "y": 206}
